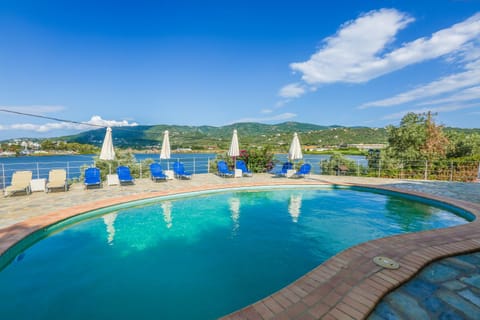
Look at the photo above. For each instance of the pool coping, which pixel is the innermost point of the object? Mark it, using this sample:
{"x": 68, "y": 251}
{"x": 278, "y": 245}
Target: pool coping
{"x": 346, "y": 286}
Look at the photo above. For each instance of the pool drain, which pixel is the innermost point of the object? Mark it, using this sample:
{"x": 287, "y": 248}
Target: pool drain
{"x": 386, "y": 262}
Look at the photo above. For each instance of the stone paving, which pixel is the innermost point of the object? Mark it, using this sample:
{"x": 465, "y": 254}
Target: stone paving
{"x": 349, "y": 285}
{"x": 448, "y": 289}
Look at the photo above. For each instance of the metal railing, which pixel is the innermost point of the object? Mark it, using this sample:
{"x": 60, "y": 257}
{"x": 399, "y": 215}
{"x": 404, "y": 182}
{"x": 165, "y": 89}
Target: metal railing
{"x": 445, "y": 170}
{"x": 74, "y": 169}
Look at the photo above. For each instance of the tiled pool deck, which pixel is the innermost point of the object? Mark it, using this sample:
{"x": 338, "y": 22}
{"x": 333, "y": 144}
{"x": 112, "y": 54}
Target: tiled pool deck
{"x": 347, "y": 286}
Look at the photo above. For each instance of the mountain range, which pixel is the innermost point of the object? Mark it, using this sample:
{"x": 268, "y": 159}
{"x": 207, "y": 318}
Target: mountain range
{"x": 250, "y": 134}
{"x": 277, "y": 136}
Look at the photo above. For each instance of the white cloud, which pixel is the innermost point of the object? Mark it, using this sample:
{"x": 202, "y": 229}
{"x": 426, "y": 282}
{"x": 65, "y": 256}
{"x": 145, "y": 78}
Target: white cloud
{"x": 348, "y": 56}
{"x": 292, "y": 90}
{"x": 447, "y": 84}
{"x": 359, "y": 52}
{"x": 354, "y": 54}
{"x": 46, "y": 127}
{"x": 281, "y": 103}
{"x": 97, "y": 120}
{"x": 266, "y": 111}
{"x": 278, "y": 117}
{"x": 443, "y": 109}
{"x": 464, "y": 95}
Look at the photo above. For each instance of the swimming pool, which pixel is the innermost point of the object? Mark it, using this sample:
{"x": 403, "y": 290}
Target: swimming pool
{"x": 199, "y": 257}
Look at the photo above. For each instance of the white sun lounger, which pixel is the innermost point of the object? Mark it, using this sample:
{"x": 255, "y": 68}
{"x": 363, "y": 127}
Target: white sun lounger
{"x": 20, "y": 183}
{"x": 57, "y": 178}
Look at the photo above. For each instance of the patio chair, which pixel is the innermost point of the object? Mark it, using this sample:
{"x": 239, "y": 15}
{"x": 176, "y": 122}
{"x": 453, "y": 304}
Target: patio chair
{"x": 57, "y": 178}
{"x": 124, "y": 175}
{"x": 283, "y": 171}
{"x": 92, "y": 178}
{"x": 240, "y": 164}
{"x": 20, "y": 182}
{"x": 156, "y": 172}
{"x": 179, "y": 171}
{"x": 223, "y": 170}
{"x": 303, "y": 171}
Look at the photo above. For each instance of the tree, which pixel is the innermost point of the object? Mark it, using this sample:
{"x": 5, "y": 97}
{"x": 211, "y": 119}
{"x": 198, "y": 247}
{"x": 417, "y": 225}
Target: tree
{"x": 463, "y": 145}
{"x": 406, "y": 141}
{"x": 417, "y": 138}
{"x": 337, "y": 164}
{"x": 436, "y": 143}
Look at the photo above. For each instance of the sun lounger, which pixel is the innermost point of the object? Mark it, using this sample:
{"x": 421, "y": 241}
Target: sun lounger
{"x": 284, "y": 170}
{"x": 92, "y": 177}
{"x": 223, "y": 170}
{"x": 240, "y": 164}
{"x": 179, "y": 171}
{"x": 124, "y": 175}
{"x": 156, "y": 172}
{"x": 20, "y": 183}
{"x": 303, "y": 171}
{"x": 57, "y": 178}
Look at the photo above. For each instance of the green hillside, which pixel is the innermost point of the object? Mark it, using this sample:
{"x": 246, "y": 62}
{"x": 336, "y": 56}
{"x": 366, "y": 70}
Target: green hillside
{"x": 250, "y": 134}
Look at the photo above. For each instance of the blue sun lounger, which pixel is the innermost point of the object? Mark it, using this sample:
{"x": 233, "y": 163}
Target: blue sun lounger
{"x": 283, "y": 171}
{"x": 156, "y": 172}
{"x": 223, "y": 170}
{"x": 124, "y": 175}
{"x": 92, "y": 178}
{"x": 179, "y": 171}
{"x": 240, "y": 164}
{"x": 303, "y": 171}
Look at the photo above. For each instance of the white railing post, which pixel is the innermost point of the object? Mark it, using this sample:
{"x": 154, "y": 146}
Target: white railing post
{"x": 426, "y": 170}
{"x": 358, "y": 168}
{"x": 68, "y": 171}
{"x": 38, "y": 171}
{"x": 208, "y": 165}
{"x": 379, "y": 168}
{"x": 194, "y": 166}
{"x": 3, "y": 175}
{"x": 451, "y": 170}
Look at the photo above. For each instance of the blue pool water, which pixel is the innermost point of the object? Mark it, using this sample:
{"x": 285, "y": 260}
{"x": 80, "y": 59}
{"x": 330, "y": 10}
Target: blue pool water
{"x": 199, "y": 257}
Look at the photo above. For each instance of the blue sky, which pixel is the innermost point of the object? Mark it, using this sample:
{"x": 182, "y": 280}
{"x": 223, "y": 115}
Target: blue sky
{"x": 352, "y": 63}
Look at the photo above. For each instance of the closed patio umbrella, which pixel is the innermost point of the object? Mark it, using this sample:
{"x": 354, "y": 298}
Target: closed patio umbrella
{"x": 165, "y": 153}
{"x": 234, "y": 150}
{"x": 295, "y": 152}
{"x": 107, "y": 152}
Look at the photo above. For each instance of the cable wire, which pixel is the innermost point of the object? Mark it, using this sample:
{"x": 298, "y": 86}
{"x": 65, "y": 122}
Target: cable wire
{"x": 51, "y": 118}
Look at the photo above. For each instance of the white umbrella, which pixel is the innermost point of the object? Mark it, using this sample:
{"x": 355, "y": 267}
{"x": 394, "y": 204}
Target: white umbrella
{"x": 165, "y": 153}
{"x": 234, "y": 150}
{"x": 295, "y": 152}
{"x": 107, "y": 152}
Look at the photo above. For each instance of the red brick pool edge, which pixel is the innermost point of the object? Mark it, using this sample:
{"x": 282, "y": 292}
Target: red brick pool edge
{"x": 347, "y": 286}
